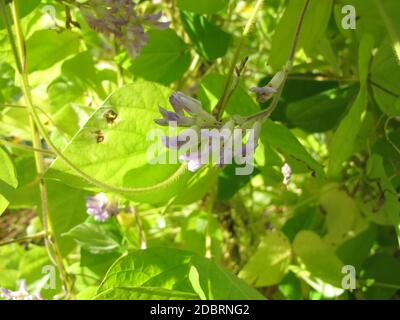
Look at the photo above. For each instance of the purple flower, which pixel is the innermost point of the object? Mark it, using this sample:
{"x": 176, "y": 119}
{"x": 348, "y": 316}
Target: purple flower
{"x": 100, "y": 208}
{"x": 263, "y": 93}
{"x": 181, "y": 104}
{"x": 20, "y": 294}
{"x": 266, "y": 92}
{"x": 118, "y": 18}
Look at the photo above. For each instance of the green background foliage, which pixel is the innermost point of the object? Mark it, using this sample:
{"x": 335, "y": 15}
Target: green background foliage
{"x": 211, "y": 234}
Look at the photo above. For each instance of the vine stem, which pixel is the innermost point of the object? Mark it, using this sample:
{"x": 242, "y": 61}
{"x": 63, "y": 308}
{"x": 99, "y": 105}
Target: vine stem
{"x": 219, "y": 108}
{"x": 38, "y": 235}
{"x": 263, "y": 115}
{"x": 24, "y": 147}
{"x": 20, "y": 57}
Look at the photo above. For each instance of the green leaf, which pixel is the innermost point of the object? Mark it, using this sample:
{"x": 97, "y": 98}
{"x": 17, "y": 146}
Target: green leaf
{"x": 7, "y": 170}
{"x": 210, "y": 41}
{"x": 320, "y": 112}
{"x": 167, "y": 272}
{"x": 164, "y": 59}
{"x": 314, "y": 26}
{"x": 67, "y": 210}
{"x": 343, "y": 141}
{"x": 93, "y": 238}
{"x": 283, "y": 140}
{"x": 319, "y": 259}
{"x": 270, "y": 262}
{"x": 389, "y": 11}
{"x": 25, "y": 9}
{"x": 383, "y": 271}
{"x": 48, "y": 47}
{"x": 355, "y": 250}
{"x": 120, "y": 160}
{"x": 385, "y": 73}
{"x": 3, "y": 204}
{"x": 341, "y": 214}
{"x": 202, "y": 6}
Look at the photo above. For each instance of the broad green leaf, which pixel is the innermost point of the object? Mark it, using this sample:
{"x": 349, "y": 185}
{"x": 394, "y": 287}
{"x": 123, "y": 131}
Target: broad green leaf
{"x": 164, "y": 59}
{"x": 341, "y": 214}
{"x": 314, "y": 26}
{"x": 166, "y": 271}
{"x": 355, "y": 250}
{"x": 318, "y": 258}
{"x": 120, "y": 159}
{"x": 320, "y": 112}
{"x": 389, "y": 11}
{"x": 210, "y": 41}
{"x": 283, "y": 140}
{"x": 385, "y": 72}
{"x": 202, "y": 6}
{"x": 67, "y": 210}
{"x": 48, "y": 47}
{"x": 382, "y": 273}
{"x": 7, "y": 170}
{"x": 269, "y": 263}
{"x": 343, "y": 141}
{"x": 93, "y": 238}
{"x": 210, "y": 91}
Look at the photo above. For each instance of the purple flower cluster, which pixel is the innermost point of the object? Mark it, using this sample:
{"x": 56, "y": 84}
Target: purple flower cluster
{"x": 100, "y": 208}
{"x": 206, "y": 140}
{"x": 119, "y": 19}
{"x": 20, "y": 294}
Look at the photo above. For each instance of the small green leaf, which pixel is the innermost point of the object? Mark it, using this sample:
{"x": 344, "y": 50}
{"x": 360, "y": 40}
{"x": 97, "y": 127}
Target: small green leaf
{"x": 93, "y": 238}
{"x": 7, "y": 170}
{"x": 269, "y": 264}
{"x": 164, "y": 59}
{"x": 202, "y": 6}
